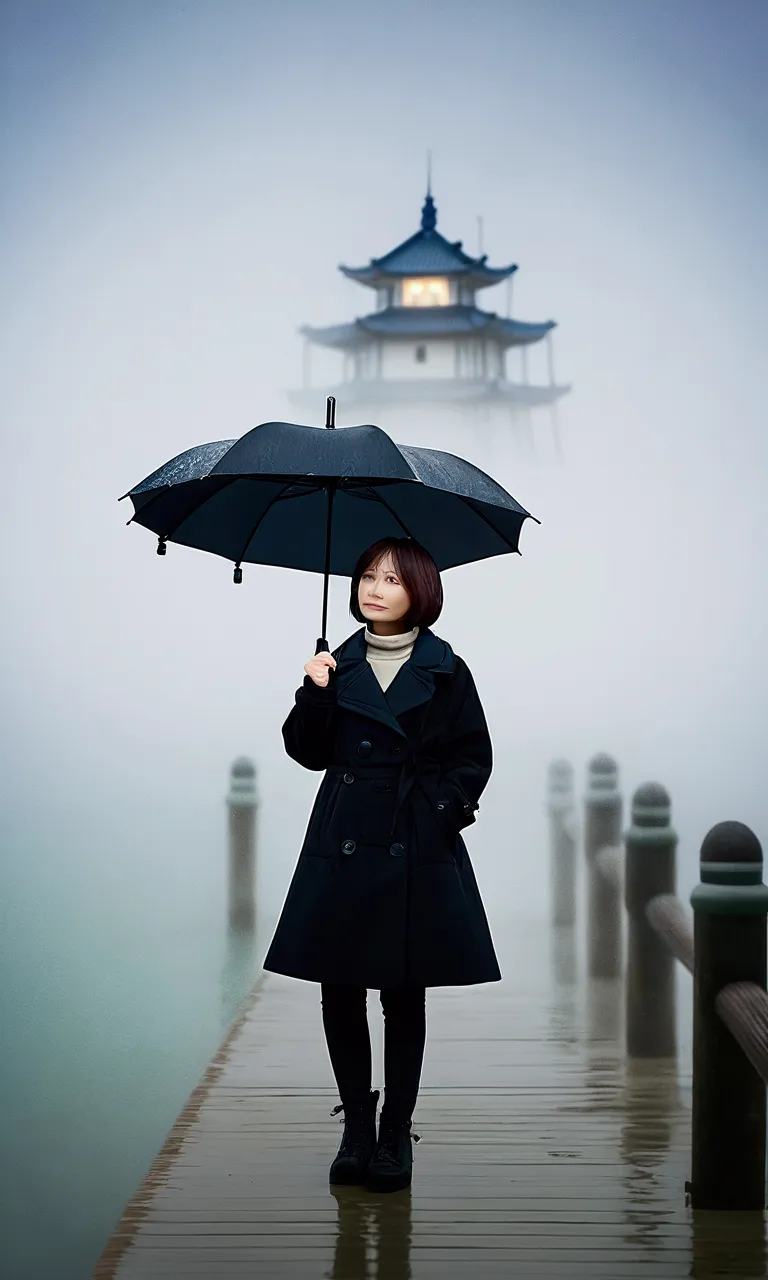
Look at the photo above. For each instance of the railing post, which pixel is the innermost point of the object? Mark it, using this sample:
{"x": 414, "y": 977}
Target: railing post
{"x": 602, "y": 829}
{"x": 241, "y": 802}
{"x": 649, "y": 870}
{"x": 562, "y": 842}
{"x": 728, "y": 1113}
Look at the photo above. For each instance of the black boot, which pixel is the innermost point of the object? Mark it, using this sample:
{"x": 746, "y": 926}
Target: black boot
{"x": 359, "y": 1141}
{"x": 391, "y": 1168}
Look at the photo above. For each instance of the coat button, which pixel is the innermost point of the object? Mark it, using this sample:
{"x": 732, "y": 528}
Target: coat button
{"x": 348, "y": 846}
{"x": 364, "y": 748}
{"x": 349, "y": 777}
{"x": 396, "y": 751}
{"x": 397, "y": 850}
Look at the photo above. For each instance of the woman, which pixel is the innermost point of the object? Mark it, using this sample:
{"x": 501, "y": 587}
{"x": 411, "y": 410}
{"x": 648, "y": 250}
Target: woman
{"x": 383, "y": 895}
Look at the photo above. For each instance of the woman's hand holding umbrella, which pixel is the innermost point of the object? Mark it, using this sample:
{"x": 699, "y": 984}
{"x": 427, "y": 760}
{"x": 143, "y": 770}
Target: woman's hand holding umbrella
{"x": 318, "y": 668}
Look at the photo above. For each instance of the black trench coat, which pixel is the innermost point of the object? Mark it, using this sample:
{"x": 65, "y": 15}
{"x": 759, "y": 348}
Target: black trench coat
{"x": 383, "y": 893}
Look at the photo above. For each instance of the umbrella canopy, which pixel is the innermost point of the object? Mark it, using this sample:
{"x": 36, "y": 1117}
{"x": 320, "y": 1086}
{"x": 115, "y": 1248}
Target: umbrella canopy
{"x": 313, "y": 498}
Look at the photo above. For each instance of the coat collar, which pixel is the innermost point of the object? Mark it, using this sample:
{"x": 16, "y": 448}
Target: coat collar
{"x": 358, "y": 690}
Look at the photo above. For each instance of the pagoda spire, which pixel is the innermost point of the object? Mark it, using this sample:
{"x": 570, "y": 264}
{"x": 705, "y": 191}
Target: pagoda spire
{"x": 429, "y": 213}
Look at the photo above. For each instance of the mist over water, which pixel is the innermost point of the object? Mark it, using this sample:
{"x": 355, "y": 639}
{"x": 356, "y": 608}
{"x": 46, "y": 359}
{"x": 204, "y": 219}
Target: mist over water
{"x": 181, "y": 183}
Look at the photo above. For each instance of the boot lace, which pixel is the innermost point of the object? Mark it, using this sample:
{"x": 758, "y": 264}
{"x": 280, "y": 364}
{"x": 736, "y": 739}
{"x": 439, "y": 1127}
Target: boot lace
{"x": 354, "y": 1141}
{"x": 387, "y": 1150}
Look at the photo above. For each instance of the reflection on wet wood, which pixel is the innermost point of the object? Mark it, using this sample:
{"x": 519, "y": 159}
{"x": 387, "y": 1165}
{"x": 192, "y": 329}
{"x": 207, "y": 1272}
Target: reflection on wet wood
{"x": 544, "y": 1151}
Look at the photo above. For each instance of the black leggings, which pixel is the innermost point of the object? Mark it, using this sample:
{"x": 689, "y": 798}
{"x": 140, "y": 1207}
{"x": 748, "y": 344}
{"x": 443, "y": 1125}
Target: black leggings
{"x": 345, "y": 1023}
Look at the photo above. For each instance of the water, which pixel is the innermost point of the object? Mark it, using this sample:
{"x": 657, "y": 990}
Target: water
{"x": 113, "y": 1000}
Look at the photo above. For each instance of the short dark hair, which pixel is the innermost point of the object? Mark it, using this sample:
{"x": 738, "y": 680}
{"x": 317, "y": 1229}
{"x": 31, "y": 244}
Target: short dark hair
{"x": 418, "y": 573}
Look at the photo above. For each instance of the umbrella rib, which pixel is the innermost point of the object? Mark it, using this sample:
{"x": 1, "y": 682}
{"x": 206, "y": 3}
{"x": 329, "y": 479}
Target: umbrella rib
{"x": 154, "y": 498}
{"x": 403, "y": 526}
{"x": 270, "y": 504}
{"x": 470, "y": 503}
{"x": 186, "y": 514}
{"x": 491, "y": 525}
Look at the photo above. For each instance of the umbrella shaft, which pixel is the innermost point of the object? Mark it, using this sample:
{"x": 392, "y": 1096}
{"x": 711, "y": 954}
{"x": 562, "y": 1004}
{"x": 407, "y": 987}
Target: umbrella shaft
{"x": 328, "y": 528}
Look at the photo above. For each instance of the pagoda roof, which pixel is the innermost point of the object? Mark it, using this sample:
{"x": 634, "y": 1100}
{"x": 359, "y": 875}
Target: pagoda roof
{"x": 428, "y": 253}
{"x": 428, "y": 322}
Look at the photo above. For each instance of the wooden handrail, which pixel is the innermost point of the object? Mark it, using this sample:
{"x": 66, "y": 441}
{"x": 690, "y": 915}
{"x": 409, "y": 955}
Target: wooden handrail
{"x": 674, "y": 926}
{"x": 743, "y": 1007}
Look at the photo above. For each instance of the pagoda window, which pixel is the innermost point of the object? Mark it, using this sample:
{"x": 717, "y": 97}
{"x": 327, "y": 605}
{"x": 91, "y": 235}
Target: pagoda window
{"x": 426, "y": 292}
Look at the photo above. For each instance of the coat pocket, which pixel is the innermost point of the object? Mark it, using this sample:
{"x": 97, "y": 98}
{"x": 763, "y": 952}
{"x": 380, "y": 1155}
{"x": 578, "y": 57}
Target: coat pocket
{"x": 445, "y": 813}
{"x": 436, "y": 824}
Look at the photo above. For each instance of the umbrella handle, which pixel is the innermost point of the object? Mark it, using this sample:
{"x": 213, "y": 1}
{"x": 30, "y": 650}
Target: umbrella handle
{"x": 321, "y": 646}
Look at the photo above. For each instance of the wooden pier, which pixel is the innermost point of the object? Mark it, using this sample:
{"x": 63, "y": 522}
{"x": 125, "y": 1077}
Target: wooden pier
{"x": 545, "y": 1151}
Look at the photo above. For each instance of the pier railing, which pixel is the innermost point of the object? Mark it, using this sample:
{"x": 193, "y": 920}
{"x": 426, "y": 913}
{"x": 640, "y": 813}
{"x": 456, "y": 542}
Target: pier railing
{"x": 630, "y": 884}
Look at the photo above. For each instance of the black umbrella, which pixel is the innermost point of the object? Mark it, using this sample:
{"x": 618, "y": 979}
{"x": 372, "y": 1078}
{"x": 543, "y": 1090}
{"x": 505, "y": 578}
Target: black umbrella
{"x": 312, "y": 498}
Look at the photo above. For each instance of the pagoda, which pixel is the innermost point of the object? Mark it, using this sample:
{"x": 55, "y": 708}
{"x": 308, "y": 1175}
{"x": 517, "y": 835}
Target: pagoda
{"x": 427, "y": 345}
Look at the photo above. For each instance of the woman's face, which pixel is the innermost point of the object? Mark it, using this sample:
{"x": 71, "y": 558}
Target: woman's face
{"x": 381, "y": 595}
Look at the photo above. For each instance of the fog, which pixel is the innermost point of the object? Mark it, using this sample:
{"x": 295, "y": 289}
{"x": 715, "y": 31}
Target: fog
{"x": 181, "y": 182}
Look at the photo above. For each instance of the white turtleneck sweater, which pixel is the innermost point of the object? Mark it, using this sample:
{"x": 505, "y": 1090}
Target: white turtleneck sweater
{"x": 387, "y": 654}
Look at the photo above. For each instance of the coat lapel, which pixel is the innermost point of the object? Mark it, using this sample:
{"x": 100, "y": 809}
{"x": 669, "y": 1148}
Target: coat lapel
{"x": 358, "y": 690}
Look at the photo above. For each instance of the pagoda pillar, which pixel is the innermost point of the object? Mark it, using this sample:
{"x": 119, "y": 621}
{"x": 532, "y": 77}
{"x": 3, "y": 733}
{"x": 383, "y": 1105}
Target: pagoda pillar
{"x": 509, "y": 296}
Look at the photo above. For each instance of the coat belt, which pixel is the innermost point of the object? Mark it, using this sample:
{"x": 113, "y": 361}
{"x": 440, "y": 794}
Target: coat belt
{"x": 409, "y": 773}
{"x": 416, "y": 766}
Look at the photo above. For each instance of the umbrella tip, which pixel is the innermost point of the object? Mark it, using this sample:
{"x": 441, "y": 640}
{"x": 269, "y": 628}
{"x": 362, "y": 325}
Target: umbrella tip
{"x": 330, "y": 411}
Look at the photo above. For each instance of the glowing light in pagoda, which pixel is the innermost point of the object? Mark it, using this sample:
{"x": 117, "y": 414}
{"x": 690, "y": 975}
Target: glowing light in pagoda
{"x": 426, "y": 293}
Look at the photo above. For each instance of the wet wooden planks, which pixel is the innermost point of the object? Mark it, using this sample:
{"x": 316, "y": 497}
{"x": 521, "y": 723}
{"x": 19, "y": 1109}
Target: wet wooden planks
{"x": 543, "y": 1153}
